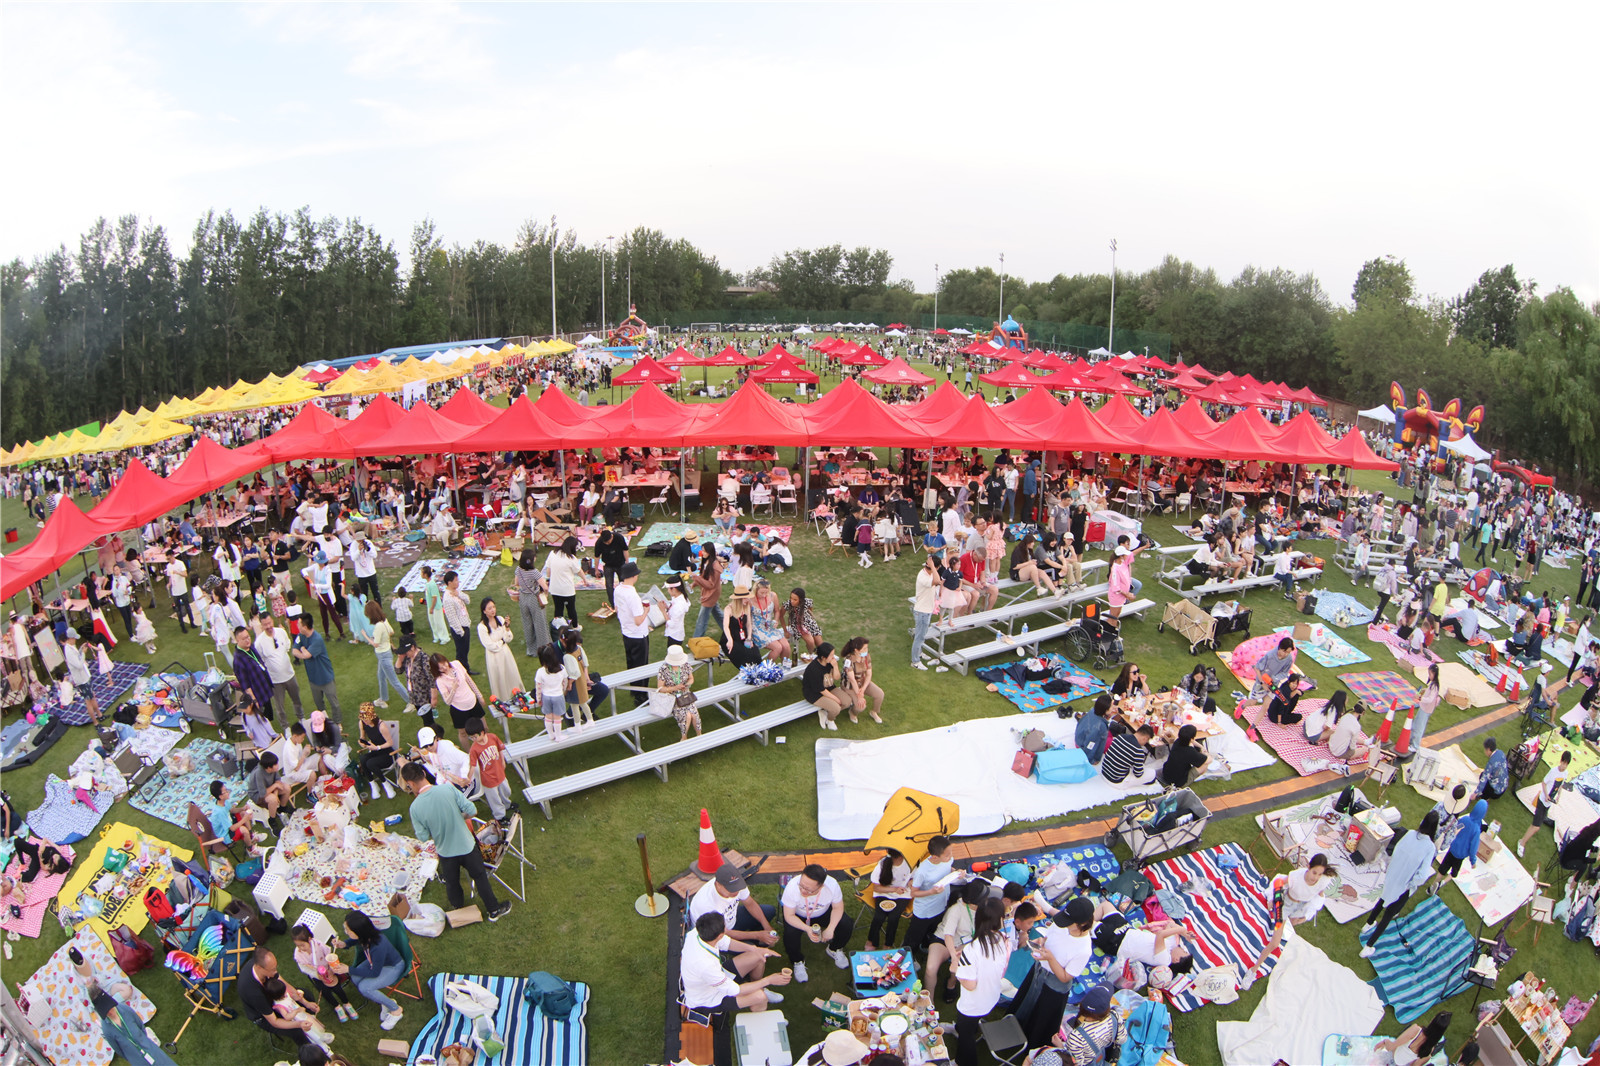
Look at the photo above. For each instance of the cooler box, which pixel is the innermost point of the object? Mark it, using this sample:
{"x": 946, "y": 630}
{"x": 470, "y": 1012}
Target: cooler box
{"x": 762, "y": 1039}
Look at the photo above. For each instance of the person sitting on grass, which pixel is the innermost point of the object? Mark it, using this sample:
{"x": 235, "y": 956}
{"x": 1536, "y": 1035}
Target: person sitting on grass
{"x": 1296, "y": 898}
{"x": 708, "y": 986}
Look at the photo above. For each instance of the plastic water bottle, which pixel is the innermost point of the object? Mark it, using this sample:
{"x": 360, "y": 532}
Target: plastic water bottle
{"x": 1023, "y": 651}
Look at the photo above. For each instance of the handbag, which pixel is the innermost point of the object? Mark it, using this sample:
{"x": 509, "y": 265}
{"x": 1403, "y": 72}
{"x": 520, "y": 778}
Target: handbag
{"x": 1022, "y": 763}
{"x": 133, "y": 952}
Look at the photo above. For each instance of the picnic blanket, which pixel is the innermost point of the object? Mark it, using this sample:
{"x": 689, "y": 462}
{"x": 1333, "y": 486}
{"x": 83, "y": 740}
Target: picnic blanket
{"x": 34, "y": 897}
{"x": 530, "y": 1038}
{"x": 1587, "y": 783}
{"x": 1386, "y": 635}
{"x": 373, "y": 871}
{"x": 1290, "y": 742}
{"x": 669, "y": 532}
{"x": 1342, "y": 609}
{"x": 61, "y": 819}
{"x": 471, "y": 571}
{"x": 1574, "y": 808}
{"x": 1231, "y": 920}
{"x": 57, "y": 998}
{"x": 1327, "y": 648}
{"x": 1348, "y": 1049}
{"x": 1309, "y": 999}
{"x": 1583, "y": 756}
{"x": 1420, "y": 959}
{"x": 1031, "y": 696}
{"x": 168, "y": 798}
{"x": 1480, "y": 693}
{"x": 1449, "y": 767}
{"x": 1241, "y": 661}
{"x": 1377, "y": 688}
{"x": 1496, "y": 886}
{"x": 128, "y": 908}
{"x": 23, "y": 742}
{"x": 1097, "y": 861}
{"x": 149, "y": 744}
{"x": 107, "y": 690}
{"x": 1356, "y": 886}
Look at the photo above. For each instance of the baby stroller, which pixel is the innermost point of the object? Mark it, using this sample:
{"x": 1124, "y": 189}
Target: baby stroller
{"x": 1094, "y": 637}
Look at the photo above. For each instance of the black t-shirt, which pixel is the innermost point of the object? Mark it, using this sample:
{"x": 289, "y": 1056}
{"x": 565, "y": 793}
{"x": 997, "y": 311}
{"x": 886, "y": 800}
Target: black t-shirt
{"x": 252, "y": 997}
{"x": 1179, "y": 763}
{"x": 283, "y": 553}
{"x": 812, "y": 683}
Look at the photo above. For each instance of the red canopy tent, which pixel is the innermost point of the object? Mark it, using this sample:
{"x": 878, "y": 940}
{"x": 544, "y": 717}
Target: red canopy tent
{"x": 750, "y": 416}
{"x": 646, "y": 371}
{"x": 1012, "y": 376}
{"x": 135, "y": 499}
{"x": 863, "y": 356}
{"x": 773, "y": 354}
{"x": 1081, "y": 430}
{"x": 422, "y": 430}
{"x": 1068, "y": 380}
{"x": 647, "y": 418}
{"x": 469, "y": 409}
{"x": 378, "y": 416}
{"x": 978, "y": 425}
{"x": 729, "y": 356}
{"x": 323, "y": 376}
{"x": 67, "y": 533}
{"x": 1044, "y": 361}
{"x": 1351, "y": 450}
{"x": 561, "y": 408}
{"x": 1184, "y": 382}
{"x": 896, "y": 372}
{"x": 208, "y": 465}
{"x": 1304, "y": 395}
{"x": 849, "y": 415}
{"x": 1119, "y": 416}
{"x": 1163, "y": 434}
{"x": 943, "y": 402}
{"x": 311, "y": 434}
{"x": 1192, "y": 417}
{"x": 1244, "y": 436}
{"x": 1108, "y": 378}
{"x": 680, "y": 356}
{"x": 1302, "y": 440}
{"x": 1153, "y": 362}
{"x": 520, "y": 427}
{"x": 786, "y": 368}
{"x": 1196, "y": 370}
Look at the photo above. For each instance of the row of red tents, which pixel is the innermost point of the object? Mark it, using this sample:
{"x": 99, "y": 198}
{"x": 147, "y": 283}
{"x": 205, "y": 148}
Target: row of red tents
{"x": 843, "y": 416}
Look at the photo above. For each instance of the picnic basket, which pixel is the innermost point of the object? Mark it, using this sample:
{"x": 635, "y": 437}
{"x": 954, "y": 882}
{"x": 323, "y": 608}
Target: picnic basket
{"x": 1192, "y": 622}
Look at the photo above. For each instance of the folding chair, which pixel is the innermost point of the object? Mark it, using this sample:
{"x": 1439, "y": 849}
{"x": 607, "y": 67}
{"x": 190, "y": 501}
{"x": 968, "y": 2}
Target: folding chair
{"x": 399, "y": 937}
{"x": 513, "y": 846}
{"x": 788, "y": 499}
{"x": 636, "y": 512}
{"x": 760, "y": 496}
{"x": 139, "y": 773}
{"x": 660, "y": 500}
{"x": 1382, "y": 769}
{"x": 1007, "y": 1042}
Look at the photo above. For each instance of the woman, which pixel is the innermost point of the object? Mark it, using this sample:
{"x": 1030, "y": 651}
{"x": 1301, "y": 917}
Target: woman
{"x": 1410, "y": 863}
{"x": 223, "y": 616}
{"x": 800, "y": 624}
{"x": 1197, "y": 686}
{"x": 738, "y": 629}
{"x": 952, "y": 934}
{"x": 1185, "y": 758}
{"x": 677, "y": 611}
{"x": 251, "y": 562}
{"x": 588, "y": 503}
{"x": 744, "y": 564}
{"x": 765, "y": 629}
{"x": 1296, "y": 898}
{"x": 454, "y": 688}
{"x": 377, "y": 966}
{"x": 526, "y": 589}
{"x": 891, "y": 895}
{"x": 1417, "y": 1045}
{"x": 1426, "y": 703}
{"x": 321, "y": 964}
{"x": 1086, "y": 1037}
{"x": 1345, "y": 740}
{"x": 1025, "y": 568}
{"x": 724, "y": 515}
{"x": 1071, "y": 563}
{"x": 980, "y": 968}
{"x": 674, "y": 681}
{"x": 856, "y": 685}
{"x": 494, "y": 633}
{"x": 819, "y": 683}
{"x": 565, "y": 571}
{"x": 380, "y": 634}
{"x": 378, "y": 743}
{"x": 1061, "y": 954}
{"x": 433, "y": 607}
{"x": 1131, "y": 682}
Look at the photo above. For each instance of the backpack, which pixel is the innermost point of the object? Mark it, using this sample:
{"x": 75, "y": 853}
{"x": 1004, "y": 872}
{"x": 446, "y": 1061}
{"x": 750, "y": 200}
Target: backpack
{"x": 1149, "y": 1034}
{"x": 1107, "y": 936}
{"x": 158, "y": 905}
{"x": 1581, "y": 924}
{"x": 550, "y": 994}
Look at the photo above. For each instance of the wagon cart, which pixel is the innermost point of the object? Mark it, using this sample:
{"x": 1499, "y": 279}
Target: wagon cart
{"x": 1162, "y": 823}
{"x": 1192, "y": 622}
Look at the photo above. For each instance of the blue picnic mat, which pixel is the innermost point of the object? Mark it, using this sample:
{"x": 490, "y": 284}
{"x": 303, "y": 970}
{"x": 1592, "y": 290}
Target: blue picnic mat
{"x": 107, "y": 690}
{"x": 1342, "y": 609}
{"x": 530, "y": 1038}
{"x": 61, "y": 819}
{"x": 168, "y": 798}
{"x": 1031, "y": 696}
{"x": 1421, "y": 958}
{"x": 1332, "y": 650}
{"x": 1094, "y": 859}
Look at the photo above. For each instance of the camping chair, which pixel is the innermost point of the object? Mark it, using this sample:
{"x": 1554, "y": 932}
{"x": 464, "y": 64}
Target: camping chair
{"x": 205, "y": 836}
{"x": 1380, "y": 768}
{"x": 139, "y": 773}
{"x": 1006, "y": 1040}
{"x": 636, "y": 513}
{"x": 1541, "y": 908}
{"x": 1274, "y": 832}
{"x": 1184, "y": 502}
{"x": 207, "y": 993}
{"x": 512, "y": 845}
{"x": 788, "y": 499}
{"x": 399, "y": 937}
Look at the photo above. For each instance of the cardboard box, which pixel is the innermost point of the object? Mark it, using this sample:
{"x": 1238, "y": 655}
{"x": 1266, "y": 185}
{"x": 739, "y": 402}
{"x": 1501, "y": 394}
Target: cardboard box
{"x": 395, "y": 1049}
{"x": 468, "y": 915}
{"x": 1457, "y": 698}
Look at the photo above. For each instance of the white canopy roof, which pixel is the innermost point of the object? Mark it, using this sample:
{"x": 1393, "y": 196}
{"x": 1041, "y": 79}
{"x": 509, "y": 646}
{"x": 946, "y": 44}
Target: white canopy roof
{"x": 895, "y": 333}
{"x": 798, "y": 330}
{"x": 1100, "y": 351}
{"x": 959, "y": 332}
{"x": 590, "y": 340}
{"x": 1466, "y": 446}
{"x": 1380, "y": 412}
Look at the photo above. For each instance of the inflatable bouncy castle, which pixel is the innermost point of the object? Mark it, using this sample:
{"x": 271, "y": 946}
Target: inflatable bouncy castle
{"x": 1421, "y": 424}
{"x": 1009, "y": 334}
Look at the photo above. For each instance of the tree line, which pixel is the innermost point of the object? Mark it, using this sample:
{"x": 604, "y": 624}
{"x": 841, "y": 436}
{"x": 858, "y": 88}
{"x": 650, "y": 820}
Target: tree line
{"x": 122, "y": 322}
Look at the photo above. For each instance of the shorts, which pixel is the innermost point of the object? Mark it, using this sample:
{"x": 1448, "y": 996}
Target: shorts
{"x": 1541, "y": 815}
{"x": 460, "y": 718}
{"x": 1451, "y": 866}
{"x": 553, "y": 706}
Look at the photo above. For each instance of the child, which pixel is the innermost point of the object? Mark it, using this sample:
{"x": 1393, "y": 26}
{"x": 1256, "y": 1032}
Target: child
{"x": 289, "y": 1009}
{"x": 488, "y": 759}
{"x": 276, "y": 602}
{"x": 576, "y": 663}
{"x": 550, "y": 685}
{"x": 322, "y": 965}
{"x": 864, "y": 544}
{"x": 933, "y": 540}
{"x": 228, "y": 823}
{"x": 400, "y": 607}
{"x": 143, "y": 631}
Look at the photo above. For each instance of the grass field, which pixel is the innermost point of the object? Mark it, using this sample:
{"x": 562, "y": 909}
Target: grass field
{"x": 579, "y": 920}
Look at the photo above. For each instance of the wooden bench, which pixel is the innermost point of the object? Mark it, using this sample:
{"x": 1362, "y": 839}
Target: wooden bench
{"x": 658, "y": 759}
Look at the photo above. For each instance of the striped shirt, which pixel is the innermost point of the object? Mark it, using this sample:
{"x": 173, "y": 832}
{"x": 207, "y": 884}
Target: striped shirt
{"x": 1124, "y": 756}
{"x": 455, "y": 612}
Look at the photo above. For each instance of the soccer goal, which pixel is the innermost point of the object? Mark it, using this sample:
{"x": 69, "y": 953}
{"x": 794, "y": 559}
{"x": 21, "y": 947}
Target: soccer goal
{"x": 705, "y": 327}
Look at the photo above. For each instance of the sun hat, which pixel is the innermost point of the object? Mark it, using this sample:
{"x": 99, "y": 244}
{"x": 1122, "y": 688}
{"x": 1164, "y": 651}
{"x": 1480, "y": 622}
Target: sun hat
{"x": 629, "y": 569}
{"x": 691, "y": 535}
{"x": 676, "y": 656}
{"x": 841, "y": 1048}
{"x": 741, "y": 591}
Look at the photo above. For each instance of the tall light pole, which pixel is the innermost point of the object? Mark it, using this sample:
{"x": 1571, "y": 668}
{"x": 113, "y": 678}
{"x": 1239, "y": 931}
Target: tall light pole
{"x": 553, "y": 333}
{"x": 1111, "y": 330}
{"x": 604, "y": 247}
{"x": 936, "y": 298}
{"x": 1002, "y": 286}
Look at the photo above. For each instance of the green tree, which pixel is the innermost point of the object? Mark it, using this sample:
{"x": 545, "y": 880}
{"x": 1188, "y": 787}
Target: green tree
{"x": 1489, "y": 310}
{"x": 1386, "y": 278}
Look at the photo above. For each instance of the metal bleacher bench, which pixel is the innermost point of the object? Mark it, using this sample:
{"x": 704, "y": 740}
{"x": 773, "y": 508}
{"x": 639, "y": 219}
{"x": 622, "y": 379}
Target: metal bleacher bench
{"x": 1001, "y": 622}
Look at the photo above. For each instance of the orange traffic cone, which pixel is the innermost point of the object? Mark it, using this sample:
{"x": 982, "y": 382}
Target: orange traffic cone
{"x": 1403, "y": 745}
{"x": 1388, "y": 724}
{"x": 710, "y": 855}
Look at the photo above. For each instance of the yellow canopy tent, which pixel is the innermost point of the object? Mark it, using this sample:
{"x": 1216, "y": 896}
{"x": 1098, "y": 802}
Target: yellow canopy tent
{"x": 413, "y": 369}
{"x": 381, "y": 378}
{"x": 154, "y": 432}
{"x": 143, "y": 414}
{"x": 558, "y": 346}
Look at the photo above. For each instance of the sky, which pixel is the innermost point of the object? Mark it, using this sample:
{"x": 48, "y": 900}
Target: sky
{"x": 1458, "y": 137}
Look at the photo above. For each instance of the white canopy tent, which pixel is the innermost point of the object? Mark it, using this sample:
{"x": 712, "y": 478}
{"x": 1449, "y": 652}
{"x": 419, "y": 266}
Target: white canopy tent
{"x": 1467, "y": 447}
{"x": 800, "y": 331}
{"x": 895, "y": 333}
{"x": 1380, "y": 413}
{"x": 959, "y": 332}
{"x": 1098, "y": 352}
{"x": 590, "y": 341}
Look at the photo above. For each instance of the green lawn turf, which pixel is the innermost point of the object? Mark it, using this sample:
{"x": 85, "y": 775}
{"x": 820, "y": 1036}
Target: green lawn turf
{"x": 579, "y": 921}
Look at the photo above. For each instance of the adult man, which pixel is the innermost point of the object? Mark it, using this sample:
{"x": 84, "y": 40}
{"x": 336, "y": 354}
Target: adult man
{"x": 929, "y": 896}
{"x": 813, "y": 908}
{"x": 249, "y": 669}
{"x": 122, "y": 595}
{"x": 125, "y": 1031}
{"x": 283, "y": 553}
{"x": 1549, "y": 792}
{"x": 634, "y": 619}
{"x": 1013, "y": 479}
{"x": 1126, "y": 756}
{"x": 439, "y": 813}
{"x": 273, "y": 645}
{"x": 178, "y": 585}
{"x": 268, "y": 788}
{"x": 1461, "y": 622}
{"x": 1273, "y": 668}
{"x": 971, "y": 568}
{"x": 681, "y": 558}
{"x": 487, "y": 759}
{"x": 458, "y": 619}
{"x": 707, "y": 986}
{"x": 309, "y": 647}
{"x": 445, "y": 760}
{"x": 257, "y": 1005}
{"x": 364, "y": 558}
{"x": 727, "y": 894}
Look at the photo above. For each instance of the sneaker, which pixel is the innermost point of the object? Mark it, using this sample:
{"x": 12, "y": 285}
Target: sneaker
{"x": 1521, "y": 849}
{"x": 388, "y": 790}
{"x": 382, "y": 705}
{"x": 839, "y": 958}
{"x": 800, "y": 974}
{"x": 1368, "y": 951}
{"x": 350, "y": 1013}
{"x": 941, "y": 669}
{"x": 919, "y": 665}
{"x": 500, "y": 912}
{"x": 374, "y": 790}
{"x": 1040, "y": 591}
{"x": 773, "y": 997}
{"x": 390, "y": 1019}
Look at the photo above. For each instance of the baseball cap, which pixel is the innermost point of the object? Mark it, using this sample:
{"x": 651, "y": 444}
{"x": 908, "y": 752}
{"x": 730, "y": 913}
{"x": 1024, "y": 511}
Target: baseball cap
{"x": 629, "y": 569}
{"x": 407, "y": 642}
{"x": 1097, "y": 1000}
{"x": 426, "y": 736}
{"x": 319, "y": 720}
{"x": 1079, "y": 910}
{"x": 728, "y": 876}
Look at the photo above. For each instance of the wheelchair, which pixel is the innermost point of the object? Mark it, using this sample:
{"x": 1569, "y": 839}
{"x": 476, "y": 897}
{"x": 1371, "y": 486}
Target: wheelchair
{"x": 1095, "y": 639}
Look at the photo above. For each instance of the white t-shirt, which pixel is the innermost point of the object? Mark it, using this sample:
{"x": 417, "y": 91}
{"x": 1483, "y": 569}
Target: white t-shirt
{"x": 1315, "y": 722}
{"x": 988, "y": 968}
{"x": 274, "y": 651}
{"x": 629, "y": 607}
{"x": 705, "y": 982}
{"x": 709, "y": 899}
{"x": 812, "y": 908}
{"x": 1140, "y": 946}
{"x": 1344, "y": 735}
{"x": 677, "y": 608}
{"x": 1297, "y": 889}
{"x": 449, "y": 759}
{"x": 546, "y": 683}
{"x": 1551, "y": 786}
{"x": 1071, "y": 952}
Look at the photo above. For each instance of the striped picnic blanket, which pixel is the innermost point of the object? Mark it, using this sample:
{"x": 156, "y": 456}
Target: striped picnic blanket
{"x": 1378, "y": 687}
{"x": 1231, "y": 920}
{"x": 1421, "y": 958}
{"x": 530, "y": 1038}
